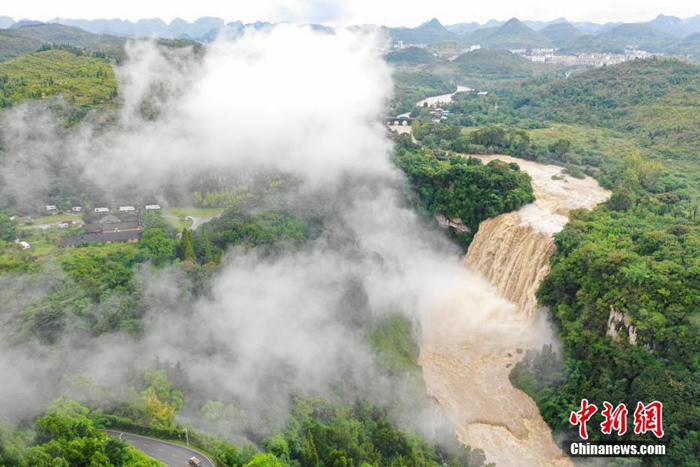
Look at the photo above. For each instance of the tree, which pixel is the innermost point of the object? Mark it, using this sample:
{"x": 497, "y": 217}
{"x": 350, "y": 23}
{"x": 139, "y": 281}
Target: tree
{"x": 157, "y": 246}
{"x": 560, "y": 147}
{"x": 644, "y": 172}
{"x": 264, "y": 460}
{"x": 65, "y": 420}
{"x": 225, "y": 419}
{"x": 8, "y": 228}
{"x": 187, "y": 246}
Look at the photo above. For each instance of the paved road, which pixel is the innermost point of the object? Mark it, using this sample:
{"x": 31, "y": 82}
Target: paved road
{"x": 197, "y": 221}
{"x": 173, "y": 455}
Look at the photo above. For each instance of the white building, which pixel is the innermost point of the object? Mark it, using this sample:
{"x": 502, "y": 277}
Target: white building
{"x": 126, "y": 208}
{"x": 101, "y": 209}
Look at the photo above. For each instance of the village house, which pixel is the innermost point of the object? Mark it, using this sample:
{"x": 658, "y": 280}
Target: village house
{"x": 117, "y": 222}
{"x": 110, "y": 228}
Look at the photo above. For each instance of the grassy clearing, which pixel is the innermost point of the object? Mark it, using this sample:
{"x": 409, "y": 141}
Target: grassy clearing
{"x": 609, "y": 143}
{"x": 177, "y": 217}
{"x": 393, "y": 341}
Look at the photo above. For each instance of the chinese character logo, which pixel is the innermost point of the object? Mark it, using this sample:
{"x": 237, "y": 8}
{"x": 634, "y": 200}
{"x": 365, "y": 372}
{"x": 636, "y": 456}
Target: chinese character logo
{"x": 582, "y": 416}
{"x": 614, "y": 419}
{"x": 649, "y": 418}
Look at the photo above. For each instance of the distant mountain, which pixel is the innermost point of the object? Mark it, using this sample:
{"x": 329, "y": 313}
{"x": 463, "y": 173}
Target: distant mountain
{"x": 493, "y": 23}
{"x": 594, "y": 28}
{"x": 511, "y": 35}
{"x": 410, "y": 56}
{"x": 560, "y": 33}
{"x": 152, "y": 27}
{"x": 203, "y": 29}
{"x": 478, "y": 36}
{"x": 676, "y": 27}
{"x": 463, "y": 28}
{"x": 427, "y": 33}
{"x": 539, "y": 25}
{"x": 23, "y": 23}
{"x": 692, "y": 24}
{"x": 670, "y": 25}
{"x": 642, "y": 35}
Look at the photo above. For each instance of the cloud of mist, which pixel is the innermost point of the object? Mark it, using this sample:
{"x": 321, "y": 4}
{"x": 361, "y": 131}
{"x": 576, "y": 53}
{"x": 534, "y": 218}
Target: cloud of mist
{"x": 290, "y": 100}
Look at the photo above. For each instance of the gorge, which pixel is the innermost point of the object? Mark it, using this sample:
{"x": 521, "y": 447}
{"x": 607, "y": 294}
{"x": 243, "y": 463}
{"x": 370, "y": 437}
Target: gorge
{"x": 471, "y": 342}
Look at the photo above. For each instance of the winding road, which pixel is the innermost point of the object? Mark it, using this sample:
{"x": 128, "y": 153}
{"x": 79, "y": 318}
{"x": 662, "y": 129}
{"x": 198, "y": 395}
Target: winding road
{"x": 170, "y": 454}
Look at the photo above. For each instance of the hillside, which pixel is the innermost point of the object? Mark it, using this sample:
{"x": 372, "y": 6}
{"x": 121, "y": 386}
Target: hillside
{"x": 656, "y": 99}
{"x": 16, "y": 42}
{"x": 13, "y": 44}
{"x": 495, "y": 64}
{"x": 410, "y": 56}
{"x": 80, "y": 79}
{"x": 589, "y": 44}
{"x": 689, "y": 46}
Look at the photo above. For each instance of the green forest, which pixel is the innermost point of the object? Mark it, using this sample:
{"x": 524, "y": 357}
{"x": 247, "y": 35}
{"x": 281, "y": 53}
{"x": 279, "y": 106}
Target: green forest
{"x": 463, "y": 188}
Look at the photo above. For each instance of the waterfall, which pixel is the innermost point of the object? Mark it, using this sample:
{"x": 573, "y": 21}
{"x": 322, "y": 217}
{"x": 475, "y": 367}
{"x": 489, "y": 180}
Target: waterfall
{"x": 471, "y": 341}
{"x": 513, "y": 257}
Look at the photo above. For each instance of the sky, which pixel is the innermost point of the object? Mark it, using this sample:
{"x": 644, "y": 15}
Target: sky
{"x": 345, "y": 12}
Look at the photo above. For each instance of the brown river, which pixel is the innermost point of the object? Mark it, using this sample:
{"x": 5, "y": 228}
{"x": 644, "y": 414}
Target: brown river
{"x": 471, "y": 341}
